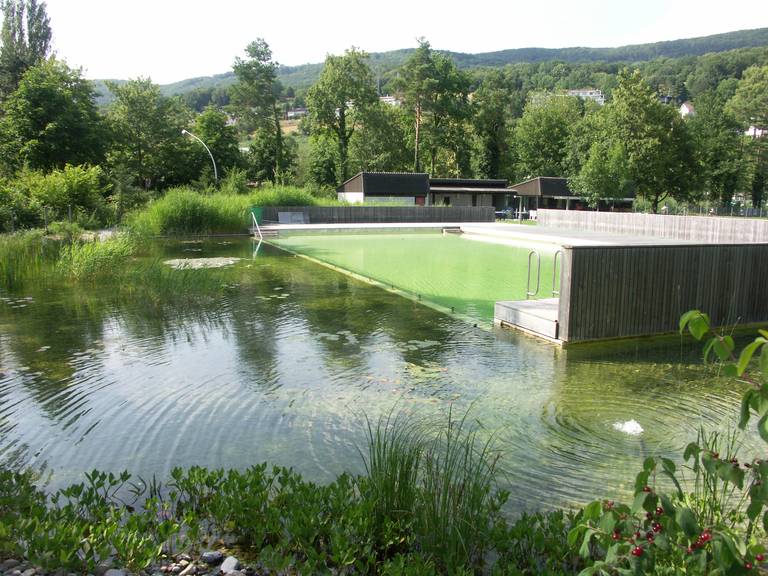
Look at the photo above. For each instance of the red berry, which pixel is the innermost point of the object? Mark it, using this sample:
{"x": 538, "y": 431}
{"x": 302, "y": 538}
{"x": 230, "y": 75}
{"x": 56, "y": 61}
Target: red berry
{"x": 646, "y": 488}
{"x": 689, "y": 550}
{"x": 759, "y": 557}
{"x": 649, "y": 535}
{"x": 616, "y": 535}
{"x": 748, "y": 565}
{"x": 659, "y": 511}
{"x": 637, "y": 534}
{"x": 705, "y": 537}
{"x": 656, "y": 527}
{"x": 637, "y": 551}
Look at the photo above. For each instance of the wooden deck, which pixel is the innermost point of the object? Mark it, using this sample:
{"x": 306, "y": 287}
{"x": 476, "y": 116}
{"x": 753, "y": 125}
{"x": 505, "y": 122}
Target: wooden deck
{"x": 539, "y": 317}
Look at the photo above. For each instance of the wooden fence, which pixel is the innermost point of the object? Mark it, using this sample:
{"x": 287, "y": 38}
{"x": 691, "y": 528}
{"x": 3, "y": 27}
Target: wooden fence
{"x": 382, "y": 214}
{"x": 619, "y": 291}
{"x": 709, "y": 229}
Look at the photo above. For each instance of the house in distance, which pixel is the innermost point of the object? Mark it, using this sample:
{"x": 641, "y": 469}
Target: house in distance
{"x": 417, "y": 188}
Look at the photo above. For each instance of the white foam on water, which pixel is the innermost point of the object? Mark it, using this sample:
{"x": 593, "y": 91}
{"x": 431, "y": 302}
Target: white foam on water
{"x": 631, "y": 427}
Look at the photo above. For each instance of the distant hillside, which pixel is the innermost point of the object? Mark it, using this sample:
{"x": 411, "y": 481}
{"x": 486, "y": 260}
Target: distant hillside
{"x": 303, "y": 76}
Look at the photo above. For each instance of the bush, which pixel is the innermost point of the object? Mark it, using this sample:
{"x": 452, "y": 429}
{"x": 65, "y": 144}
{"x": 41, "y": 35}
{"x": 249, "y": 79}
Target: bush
{"x": 34, "y": 197}
{"x": 25, "y": 255}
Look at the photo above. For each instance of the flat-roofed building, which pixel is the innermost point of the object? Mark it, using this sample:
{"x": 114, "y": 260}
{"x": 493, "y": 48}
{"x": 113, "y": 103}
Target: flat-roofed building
{"x": 386, "y": 188}
{"x": 554, "y": 192}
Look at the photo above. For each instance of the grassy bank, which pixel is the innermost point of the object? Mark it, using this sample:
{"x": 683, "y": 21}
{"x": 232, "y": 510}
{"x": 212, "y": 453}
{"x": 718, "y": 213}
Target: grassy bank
{"x": 184, "y": 211}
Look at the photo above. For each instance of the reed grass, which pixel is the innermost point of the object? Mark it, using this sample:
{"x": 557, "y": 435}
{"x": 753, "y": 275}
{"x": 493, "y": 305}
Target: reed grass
{"x": 84, "y": 260}
{"x": 183, "y": 211}
{"x": 434, "y": 483}
{"x": 25, "y": 256}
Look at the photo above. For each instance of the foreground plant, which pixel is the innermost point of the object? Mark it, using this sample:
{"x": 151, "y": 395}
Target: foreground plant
{"x": 719, "y": 527}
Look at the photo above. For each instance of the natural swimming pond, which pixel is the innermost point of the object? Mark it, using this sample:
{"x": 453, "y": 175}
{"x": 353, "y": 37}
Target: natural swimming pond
{"x": 278, "y": 358}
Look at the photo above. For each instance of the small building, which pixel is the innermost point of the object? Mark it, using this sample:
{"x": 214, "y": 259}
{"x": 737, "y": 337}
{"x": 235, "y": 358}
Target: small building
{"x": 687, "y": 109}
{"x": 588, "y": 94}
{"x": 419, "y": 189}
{"x": 386, "y": 187}
{"x": 469, "y": 192}
{"x": 554, "y": 192}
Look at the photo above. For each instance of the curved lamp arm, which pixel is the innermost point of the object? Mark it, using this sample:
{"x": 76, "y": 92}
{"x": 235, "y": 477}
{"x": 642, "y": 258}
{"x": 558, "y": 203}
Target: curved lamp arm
{"x": 215, "y": 172}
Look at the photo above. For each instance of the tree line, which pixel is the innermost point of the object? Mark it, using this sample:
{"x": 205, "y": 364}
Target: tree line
{"x": 513, "y": 122}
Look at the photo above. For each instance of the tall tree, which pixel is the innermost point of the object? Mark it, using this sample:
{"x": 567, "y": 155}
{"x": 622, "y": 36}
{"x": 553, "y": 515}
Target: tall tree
{"x": 750, "y": 105}
{"x": 25, "y": 39}
{"x": 659, "y": 152}
{"x": 380, "y": 144}
{"x": 542, "y": 134}
{"x": 255, "y": 101}
{"x": 719, "y": 143}
{"x": 417, "y": 83}
{"x": 148, "y": 143}
{"x": 492, "y": 121}
{"x": 340, "y": 100}
{"x": 51, "y": 120}
{"x": 212, "y": 128}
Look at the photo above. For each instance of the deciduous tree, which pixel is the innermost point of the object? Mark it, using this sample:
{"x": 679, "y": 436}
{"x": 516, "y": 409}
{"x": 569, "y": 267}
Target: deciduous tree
{"x": 341, "y": 99}
{"x": 148, "y": 143}
{"x": 255, "y": 102}
{"x": 51, "y": 120}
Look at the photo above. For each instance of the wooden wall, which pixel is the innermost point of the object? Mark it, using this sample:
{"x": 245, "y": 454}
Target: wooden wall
{"x": 620, "y": 291}
{"x": 705, "y": 229}
{"x": 384, "y": 214}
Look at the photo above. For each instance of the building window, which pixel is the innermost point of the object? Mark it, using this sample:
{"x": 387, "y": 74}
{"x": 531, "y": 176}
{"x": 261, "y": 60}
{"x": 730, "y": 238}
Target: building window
{"x": 446, "y": 200}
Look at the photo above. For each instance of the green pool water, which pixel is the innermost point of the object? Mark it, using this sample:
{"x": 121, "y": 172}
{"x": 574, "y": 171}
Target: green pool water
{"x": 465, "y": 275}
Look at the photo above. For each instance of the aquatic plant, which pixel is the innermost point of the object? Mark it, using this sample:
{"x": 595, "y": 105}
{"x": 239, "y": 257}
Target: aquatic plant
{"x": 24, "y": 256}
{"x": 81, "y": 260}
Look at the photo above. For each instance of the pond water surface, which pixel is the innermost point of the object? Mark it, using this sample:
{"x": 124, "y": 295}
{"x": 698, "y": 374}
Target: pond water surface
{"x": 286, "y": 359}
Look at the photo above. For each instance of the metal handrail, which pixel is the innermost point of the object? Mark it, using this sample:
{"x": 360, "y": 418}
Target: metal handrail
{"x": 558, "y": 257}
{"x": 256, "y": 223}
{"x": 528, "y": 292}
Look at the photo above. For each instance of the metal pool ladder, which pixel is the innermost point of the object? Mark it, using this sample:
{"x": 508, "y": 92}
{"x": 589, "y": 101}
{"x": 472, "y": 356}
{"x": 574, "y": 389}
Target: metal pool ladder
{"x": 555, "y": 275}
{"x": 256, "y": 225}
{"x": 528, "y": 293}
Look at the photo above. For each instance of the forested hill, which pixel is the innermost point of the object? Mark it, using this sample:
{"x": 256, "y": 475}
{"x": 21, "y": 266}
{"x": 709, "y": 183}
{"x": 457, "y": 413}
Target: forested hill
{"x": 301, "y": 77}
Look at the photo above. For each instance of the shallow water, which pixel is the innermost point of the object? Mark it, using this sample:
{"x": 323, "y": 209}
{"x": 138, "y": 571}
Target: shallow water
{"x": 285, "y": 361}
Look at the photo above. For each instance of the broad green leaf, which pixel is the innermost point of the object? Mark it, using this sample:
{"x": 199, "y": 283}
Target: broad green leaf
{"x": 612, "y": 555}
{"x": 698, "y": 326}
{"x": 754, "y": 508}
{"x": 721, "y": 350}
{"x": 747, "y": 353}
{"x": 745, "y": 407}
{"x": 692, "y": 449}
{"x": 592, "y": 510}
{"x": 762, "y": 427}
{"x": 730, "y": 370}
{"x": 687, "y": 521}
{"x": 607, "y": 522}
{"x": 637, "y": 505}
{"x": 584, "y": 550}
{"x": 574, "y": 534}
{"x": 685, "y": 318}
{"x": 649, "y": 464}
{"x": 666, "y": 503}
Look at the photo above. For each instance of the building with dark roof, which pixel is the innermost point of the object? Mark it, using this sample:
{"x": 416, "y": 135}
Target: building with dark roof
{"x": 383, "y": 187}
{"x": 553, "y": 192}
{"x": 418, "y": 188}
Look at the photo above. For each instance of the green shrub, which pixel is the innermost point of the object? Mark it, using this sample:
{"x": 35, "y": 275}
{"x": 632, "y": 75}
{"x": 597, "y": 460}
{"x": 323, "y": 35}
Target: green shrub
{"x": 18, "y": 210}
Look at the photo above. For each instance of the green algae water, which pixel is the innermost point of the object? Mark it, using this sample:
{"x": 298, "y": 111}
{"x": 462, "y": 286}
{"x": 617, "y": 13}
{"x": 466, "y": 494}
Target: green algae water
{"x": 278, "y": 358}
{"x": 468, "y": 276}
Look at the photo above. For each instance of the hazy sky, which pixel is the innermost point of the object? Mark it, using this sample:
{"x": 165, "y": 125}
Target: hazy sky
{"x": 171, "y": 40}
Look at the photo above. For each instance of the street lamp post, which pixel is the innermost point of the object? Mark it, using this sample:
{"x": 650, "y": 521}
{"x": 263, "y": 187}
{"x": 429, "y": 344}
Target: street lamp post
{"x": 215, "y": 172}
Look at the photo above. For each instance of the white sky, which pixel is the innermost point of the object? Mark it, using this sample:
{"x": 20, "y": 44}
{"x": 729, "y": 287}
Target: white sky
{"x": 171, "y": 40}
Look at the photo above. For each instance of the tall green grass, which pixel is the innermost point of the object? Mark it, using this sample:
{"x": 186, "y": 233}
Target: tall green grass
{"x": 25, "y": 256}
{"x": 81, "y": 260}
{"x": 435, "y": 483}
{"x": 185, "y": 211}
